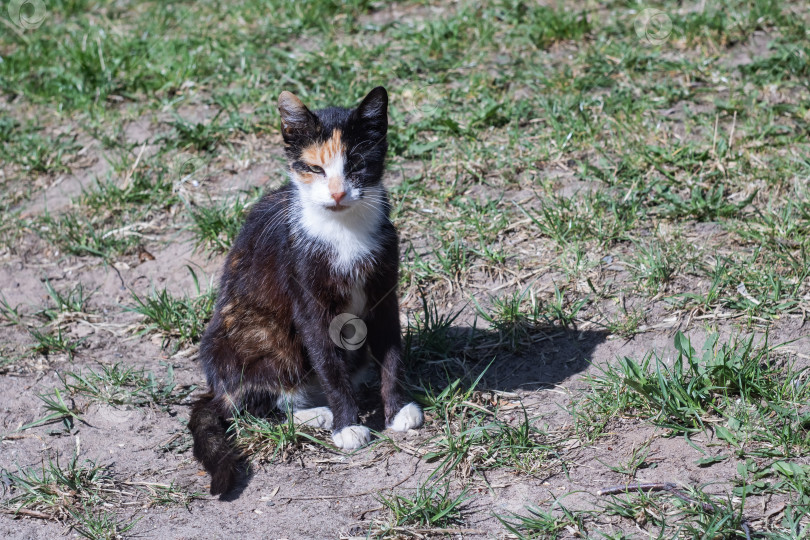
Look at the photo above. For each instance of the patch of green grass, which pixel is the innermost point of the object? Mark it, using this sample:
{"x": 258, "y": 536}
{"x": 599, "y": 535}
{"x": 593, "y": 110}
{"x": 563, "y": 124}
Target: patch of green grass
{"x": 138, "y": 192}
{"x": 517, "y": 316}
{"x": 113, "y": 216}
{"x": 169, "y": 494}
{"x": 762, "y": 282}
{"x": 59, "y": 491}
{"x": 445, "y": 42}
{"x": 99, "y": 524}
{"x": 34, "y": 152}
{"x": 788, "y": 60}
{"x": 13, "y": 227}
{"x": 593, "y": 215}
{"x": 636, "y": 460}
{"x": 542, "y": 25}
{"x": 57, "y": 410}
{"x": 793, "y": 479}
{"x": 736, "y": 389}
{"x": 453, "y": 257}
{"x": 430, "y": 506}
{"x": 178, "y": 319}
{"x": 564, "y": 310}
{"x": 539, "y": 523}
{"x": 267, "y": 440}
{"x": 783, "y": 225}
{"x": 416, "y": 268}
{"x": 201, "y": 136}
{"x": 430, "y": 336}
{"x": 120, "y": 385}
{"x": 473, "y": 438}
{"x": 215, "y": 226}
{"x": 510, "y": 317}
{"x": 149, "y": 54}
{"x": 656, "y": 263}
{"x": 701, "y": 204}
{"x": 628, "y": 323}
{"x": 706, "y": 300}
{"x": 52, "y": 342}
{"x": 72, "y": 300}
{"x": 82, "y": 494}
{"x": 115, "y": 385}
{"x": 78, "y": 235}
{"x": 10, "y": 314}
{"x": 697, "y": 385}
{"x": 470, "y": 442}
{"x": 691, "y": 514}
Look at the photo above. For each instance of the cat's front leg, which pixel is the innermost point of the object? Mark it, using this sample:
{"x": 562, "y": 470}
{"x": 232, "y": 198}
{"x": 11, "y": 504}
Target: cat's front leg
{"x": 385, "y": 346}
{"x": 347, "y": 433}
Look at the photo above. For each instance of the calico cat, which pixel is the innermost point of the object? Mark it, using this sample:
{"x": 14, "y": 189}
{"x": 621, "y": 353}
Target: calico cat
{"x": 308, "y": 292}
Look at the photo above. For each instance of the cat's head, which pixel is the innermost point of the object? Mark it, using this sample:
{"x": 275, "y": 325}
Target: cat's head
{"x": 336, "y": 155}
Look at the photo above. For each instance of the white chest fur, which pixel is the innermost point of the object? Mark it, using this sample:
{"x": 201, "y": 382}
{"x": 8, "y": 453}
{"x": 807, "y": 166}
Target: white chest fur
{"x": 352, "y": 235}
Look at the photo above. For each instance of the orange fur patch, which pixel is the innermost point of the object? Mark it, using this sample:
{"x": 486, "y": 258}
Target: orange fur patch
{"x": 234, "y": 261}
{"x": 228, "y": 321}
{"x": 321, "y": 154}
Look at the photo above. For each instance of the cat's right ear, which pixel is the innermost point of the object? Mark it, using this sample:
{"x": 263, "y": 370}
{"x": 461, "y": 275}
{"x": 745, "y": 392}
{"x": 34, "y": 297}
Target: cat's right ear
{"x": 296, "y": 120}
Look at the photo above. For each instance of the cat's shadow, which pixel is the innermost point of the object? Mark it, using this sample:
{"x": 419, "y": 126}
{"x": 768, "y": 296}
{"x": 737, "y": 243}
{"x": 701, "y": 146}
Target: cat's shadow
{"x": 522, "y": 360}
{"x": 245, "y": 473}
{"x": 546, "y": 356}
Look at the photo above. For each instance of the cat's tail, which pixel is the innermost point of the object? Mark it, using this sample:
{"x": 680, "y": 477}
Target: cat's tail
{"x": 212, "y": 446}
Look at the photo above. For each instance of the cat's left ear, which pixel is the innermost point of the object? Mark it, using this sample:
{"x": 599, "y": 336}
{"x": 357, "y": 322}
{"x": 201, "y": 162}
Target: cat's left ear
{"x": 373, "y": 111}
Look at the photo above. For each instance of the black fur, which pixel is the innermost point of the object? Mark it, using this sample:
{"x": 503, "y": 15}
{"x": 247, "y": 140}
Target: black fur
{"x": 269, "y": 332}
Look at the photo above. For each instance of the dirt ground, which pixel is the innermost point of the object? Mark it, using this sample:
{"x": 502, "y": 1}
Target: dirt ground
{"x": 317, "y": 494}
{"x": 311, "y": 491}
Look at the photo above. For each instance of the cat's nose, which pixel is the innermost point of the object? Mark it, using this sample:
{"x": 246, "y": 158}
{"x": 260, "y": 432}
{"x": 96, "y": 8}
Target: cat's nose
{"x": 338, "y": 196}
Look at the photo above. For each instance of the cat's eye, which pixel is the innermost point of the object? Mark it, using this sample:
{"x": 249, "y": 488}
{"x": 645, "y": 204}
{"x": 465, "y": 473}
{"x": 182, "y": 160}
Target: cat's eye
{"x": 314, "y": 169}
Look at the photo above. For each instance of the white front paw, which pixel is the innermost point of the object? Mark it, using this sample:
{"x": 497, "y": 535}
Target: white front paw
{"x": 351, "y": 437}
{"x": 409, "y": 417}
{"x": 317, "y": 417}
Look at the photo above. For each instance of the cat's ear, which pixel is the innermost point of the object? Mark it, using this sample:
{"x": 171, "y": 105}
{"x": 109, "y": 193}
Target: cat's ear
{"x": 296, "y": 119}
{"x": 373, "y": 111}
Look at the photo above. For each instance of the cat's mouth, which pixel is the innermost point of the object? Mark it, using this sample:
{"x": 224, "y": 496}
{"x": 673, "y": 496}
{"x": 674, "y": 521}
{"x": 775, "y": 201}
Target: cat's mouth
{"x": 337, "y": 208}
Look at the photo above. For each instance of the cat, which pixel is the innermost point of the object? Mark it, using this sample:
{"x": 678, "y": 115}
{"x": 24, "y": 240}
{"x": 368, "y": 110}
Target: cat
{"x": 308, "y": 291}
